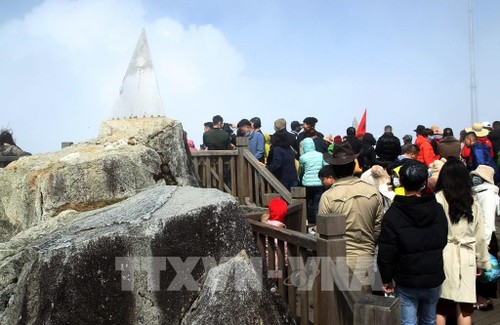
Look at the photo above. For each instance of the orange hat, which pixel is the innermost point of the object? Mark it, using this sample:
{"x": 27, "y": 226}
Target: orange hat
{"x": 278, "y": 209}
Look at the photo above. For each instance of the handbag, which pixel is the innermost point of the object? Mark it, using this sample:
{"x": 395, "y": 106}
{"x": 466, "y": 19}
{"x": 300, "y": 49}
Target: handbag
{"x": 493, "y": 274}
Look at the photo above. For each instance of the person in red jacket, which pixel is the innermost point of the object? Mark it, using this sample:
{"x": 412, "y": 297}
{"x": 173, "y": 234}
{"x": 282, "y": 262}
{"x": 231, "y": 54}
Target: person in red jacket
{"x": 426, "y": 154}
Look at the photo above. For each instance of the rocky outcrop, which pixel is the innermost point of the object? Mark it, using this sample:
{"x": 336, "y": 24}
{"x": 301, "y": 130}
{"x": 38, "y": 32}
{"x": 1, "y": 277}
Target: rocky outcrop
{"x": 128, "y": 157}
{"x": 135, "y": 262}
{"x": 161, "y": 134}
{"x": 234, "y": 293}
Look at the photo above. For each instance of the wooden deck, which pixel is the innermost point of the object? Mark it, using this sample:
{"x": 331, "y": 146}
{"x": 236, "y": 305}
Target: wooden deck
{"x": 491, "y": 317}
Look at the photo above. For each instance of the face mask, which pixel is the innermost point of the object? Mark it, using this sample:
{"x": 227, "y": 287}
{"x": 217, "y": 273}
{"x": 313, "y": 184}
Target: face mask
{"x": 431, "y": 137}
{"x": 476, "y": 180}
{"x": 247, "y": 133}
{"x": 395, "y": 182}
{"x": 422, "y": 188}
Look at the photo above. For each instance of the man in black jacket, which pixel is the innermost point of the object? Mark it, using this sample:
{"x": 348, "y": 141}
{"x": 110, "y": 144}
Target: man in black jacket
{"x": 355, "y": 143}
{"x": 414, "y": 233}
{"x": 388, "y": 146}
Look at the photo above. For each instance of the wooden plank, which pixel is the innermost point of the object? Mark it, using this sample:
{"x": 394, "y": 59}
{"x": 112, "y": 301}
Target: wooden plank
{"x": 292, "y": 291}
{"x": 220, "y": 173}
{"x": 234, "y": 189}
{"x": 304, "y": 297}
{"x": 208, "y": 173}
{"x": 282, "y": 274}
{"x": 271, "y": 254}
{"x": 256, "y": 187}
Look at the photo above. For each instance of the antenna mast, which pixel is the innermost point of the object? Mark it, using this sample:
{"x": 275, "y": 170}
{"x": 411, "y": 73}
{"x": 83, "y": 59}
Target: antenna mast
{"x": 473, "y": 100}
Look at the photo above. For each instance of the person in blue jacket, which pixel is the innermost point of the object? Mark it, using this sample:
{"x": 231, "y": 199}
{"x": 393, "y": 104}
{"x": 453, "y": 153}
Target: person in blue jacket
{"x": 310, "y": 163}
{"x": 480, "y": 155}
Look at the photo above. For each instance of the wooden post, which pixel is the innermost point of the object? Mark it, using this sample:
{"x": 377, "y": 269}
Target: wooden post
{"x": 241, "y": 172}
{"x": 330, "y": 245}
{"x": 299, "y": 196}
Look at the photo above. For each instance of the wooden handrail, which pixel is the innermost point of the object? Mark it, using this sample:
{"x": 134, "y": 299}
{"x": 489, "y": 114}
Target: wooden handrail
{"x": 330, "y": 306}
{"x": 267, "y": 175}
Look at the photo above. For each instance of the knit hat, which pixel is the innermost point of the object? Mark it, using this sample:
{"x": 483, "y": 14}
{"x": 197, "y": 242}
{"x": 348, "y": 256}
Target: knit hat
{"x": 478, "y": 129}
{"x": 311, "y": 121}
{"x": 280, "y": 124}
{"x": 278, "y": 209}
{"x": 337, "y": 139}
{"x": 485, "y": 172}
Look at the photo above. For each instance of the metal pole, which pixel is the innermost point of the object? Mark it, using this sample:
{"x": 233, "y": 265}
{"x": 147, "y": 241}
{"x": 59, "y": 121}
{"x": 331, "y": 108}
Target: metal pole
{"x": 473, "y": 99}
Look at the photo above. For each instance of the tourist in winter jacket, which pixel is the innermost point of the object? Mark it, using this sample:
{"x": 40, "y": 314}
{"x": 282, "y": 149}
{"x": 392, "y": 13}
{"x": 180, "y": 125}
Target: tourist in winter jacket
{"x": 311, "y": 162}
{"x": 449, "y": 146}
{"x": 367, "y": 156}
{"x": 388, "y": 146}
{"x": 466, "y": 250}
{"x": 311, "y": 132}
{"x": 487, "y": 196}
{"x": 426, "y": 154}
{"x": 414, "y": 233}
{"x": 362, "y": 206}
{"x": 281, "y": 160}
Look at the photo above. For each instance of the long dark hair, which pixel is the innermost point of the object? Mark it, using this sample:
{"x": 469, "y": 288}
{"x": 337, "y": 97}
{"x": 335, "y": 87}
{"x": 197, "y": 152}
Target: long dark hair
{"x": 454, "y": 181}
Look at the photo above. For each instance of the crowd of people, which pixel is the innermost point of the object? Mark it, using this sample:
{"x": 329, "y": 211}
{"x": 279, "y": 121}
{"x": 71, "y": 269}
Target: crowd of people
{"x": 427, "y": 204}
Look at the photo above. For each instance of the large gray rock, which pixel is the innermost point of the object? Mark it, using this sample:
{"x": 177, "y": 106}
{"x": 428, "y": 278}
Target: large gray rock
{"x": 234, "y": 293}
{"x": 73, "y": 269}
{"x": 128, "y": 156}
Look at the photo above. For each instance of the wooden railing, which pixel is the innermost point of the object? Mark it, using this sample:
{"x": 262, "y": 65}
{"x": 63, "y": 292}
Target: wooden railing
{"x": 239, "y": 173}
{"x": 322, "y": 302}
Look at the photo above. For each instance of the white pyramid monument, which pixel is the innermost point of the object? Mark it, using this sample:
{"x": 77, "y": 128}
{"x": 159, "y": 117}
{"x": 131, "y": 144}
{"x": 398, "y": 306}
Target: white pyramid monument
{"x": 139, "y": 94}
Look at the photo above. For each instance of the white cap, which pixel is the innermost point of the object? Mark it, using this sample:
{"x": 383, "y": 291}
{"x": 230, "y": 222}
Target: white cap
{"x": 486, "y": 124}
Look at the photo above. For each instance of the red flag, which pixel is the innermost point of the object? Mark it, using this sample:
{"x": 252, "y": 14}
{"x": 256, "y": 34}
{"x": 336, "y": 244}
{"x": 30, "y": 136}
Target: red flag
{"x": 362, "y": 126}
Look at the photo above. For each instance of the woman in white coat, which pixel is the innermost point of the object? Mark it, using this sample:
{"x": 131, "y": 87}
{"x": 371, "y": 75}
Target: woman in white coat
{"x": 466, "y": 249}
{"x": 486, "y": 192}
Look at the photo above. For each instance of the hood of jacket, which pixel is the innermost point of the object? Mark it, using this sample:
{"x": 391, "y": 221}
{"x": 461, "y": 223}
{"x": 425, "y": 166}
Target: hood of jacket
{"x": 308, "y": 145}
{"x": 419, "y": 211}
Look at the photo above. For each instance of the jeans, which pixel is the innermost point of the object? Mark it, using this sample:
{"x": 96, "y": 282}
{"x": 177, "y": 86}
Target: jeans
{"x": 418, "y": 302}
{"x": 313, "y": 195}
